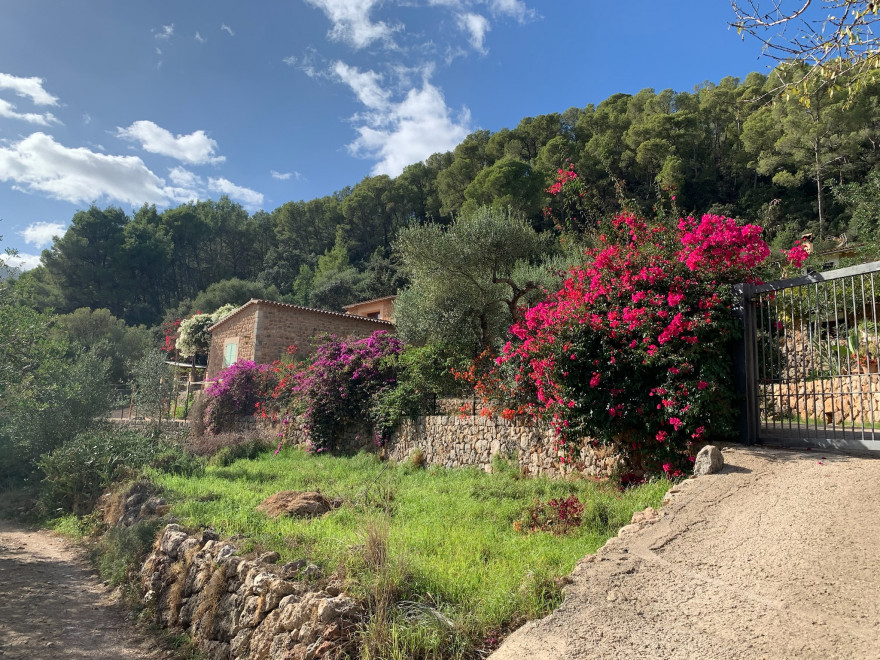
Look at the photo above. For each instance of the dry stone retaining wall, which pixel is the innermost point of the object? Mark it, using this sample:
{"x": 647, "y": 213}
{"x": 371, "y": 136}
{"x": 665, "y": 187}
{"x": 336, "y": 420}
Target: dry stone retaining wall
{"x": 458, "y": 441}
{"x": 853, "y": 399}
{"x": 464, "y": 440}
{"x": 237, "y": 608}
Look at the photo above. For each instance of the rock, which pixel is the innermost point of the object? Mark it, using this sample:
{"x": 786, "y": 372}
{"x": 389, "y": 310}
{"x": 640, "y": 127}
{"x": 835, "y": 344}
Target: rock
{"x": 269, "y": 558}
{"x": 708, "y": 461}
{"x": 172, "y": 539}
{"x": 209, "y": 535}
{"x": 295, "y": 503}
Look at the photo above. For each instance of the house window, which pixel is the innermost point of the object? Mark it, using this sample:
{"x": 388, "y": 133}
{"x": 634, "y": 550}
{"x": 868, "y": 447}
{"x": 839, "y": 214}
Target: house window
{"x": 230, "y": 352}
{"x": 373, "y": 315}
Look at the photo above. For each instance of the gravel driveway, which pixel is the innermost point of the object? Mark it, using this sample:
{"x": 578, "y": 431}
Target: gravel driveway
{"x": 777, "y": 556}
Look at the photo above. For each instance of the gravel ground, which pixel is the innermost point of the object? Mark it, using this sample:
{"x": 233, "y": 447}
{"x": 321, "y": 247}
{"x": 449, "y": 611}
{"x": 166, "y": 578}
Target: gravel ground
{"x": 53, "y": 606}
{"x": 774, "y": 557}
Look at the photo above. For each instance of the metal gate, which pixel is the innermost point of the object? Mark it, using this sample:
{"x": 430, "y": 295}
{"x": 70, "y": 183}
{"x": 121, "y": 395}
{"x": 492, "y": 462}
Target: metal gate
{"x": 810, "y": 351}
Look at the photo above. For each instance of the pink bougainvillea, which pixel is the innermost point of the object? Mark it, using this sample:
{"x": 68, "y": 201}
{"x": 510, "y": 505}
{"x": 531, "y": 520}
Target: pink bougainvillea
{"x": 633, "y": 349}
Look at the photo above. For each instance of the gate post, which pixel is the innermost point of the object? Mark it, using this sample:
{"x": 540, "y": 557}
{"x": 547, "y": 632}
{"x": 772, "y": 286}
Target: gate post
{"x": 745, "y": 376}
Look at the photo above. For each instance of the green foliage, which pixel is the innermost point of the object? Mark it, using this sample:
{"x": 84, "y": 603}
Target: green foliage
{"x": 46, "y": 397}
{"x": 121, "y": 551}
{"x": 107, "y": 337}
{"x": 423, "y": 374}
{"x": 467, "y": 280}
{"x": 77, "y": 472}
{"x": 153, "y": 383}
{"x": 446, "y": 562}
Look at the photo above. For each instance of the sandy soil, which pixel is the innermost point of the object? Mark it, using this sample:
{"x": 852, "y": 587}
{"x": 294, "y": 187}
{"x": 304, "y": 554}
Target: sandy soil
{"x": 775, "y": 557}
{"x": 52, "y": 605}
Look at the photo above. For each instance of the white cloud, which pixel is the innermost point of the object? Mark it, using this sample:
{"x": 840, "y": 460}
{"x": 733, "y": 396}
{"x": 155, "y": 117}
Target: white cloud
{"x": 364, "y": 84}
{"x": 352, "y": 24}
{"x": 307, "y": 63}
{"x": 31, "y": 88}
{"x": 87, "y": 118}
{"x": 514, "y": 8}
{"x": 21, "y": 261}
{"x": 281, "y": 176}
{"x": 38, "y": 163}
{"x": 165, "y": 33}
{"x": 7, "y": 110}
{"x": 245, "y": 195}
{"x": 398, "y": 134}
{"x": 40, "y": 234}
{"x": 196, "y": 148}
{"x": 227, "y": 29}
{"x": 200, "y": 38}
{"x": 477, "y": 26}
{"x": 184, "y": 178}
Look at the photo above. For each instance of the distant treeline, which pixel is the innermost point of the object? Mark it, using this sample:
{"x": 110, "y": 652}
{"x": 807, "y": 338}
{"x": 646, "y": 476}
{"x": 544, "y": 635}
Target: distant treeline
{"x": 789, "y": 164}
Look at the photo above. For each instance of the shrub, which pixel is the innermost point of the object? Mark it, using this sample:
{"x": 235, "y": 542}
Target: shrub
{"x": 77, "y": 472}
{"x": 120, "y": 552}
{"x": 557, "y": 515}
{"x": 634, "y": 349}
{"x": 340, "y": 388}
{"x": 237, "y": 391}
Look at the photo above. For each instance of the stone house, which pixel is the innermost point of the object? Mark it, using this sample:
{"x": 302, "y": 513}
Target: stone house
{"x": 262, "y": 331}
{"x": 378, "y": 308}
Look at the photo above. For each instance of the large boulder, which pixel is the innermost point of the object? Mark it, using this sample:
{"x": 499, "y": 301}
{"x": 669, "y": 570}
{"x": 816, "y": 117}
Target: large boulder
{"x": 295, "y": 503}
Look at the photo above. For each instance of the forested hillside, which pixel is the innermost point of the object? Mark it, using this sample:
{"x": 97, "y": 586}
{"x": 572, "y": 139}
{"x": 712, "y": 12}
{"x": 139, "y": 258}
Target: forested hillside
{"x": 787, "y": 164}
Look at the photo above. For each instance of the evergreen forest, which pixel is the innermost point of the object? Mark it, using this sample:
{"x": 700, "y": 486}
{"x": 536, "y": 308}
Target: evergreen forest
{"x": 794, "y": 165}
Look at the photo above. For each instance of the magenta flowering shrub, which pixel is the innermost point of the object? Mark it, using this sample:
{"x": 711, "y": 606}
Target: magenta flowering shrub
{"x": 237, "y": 391}
{"x": 340, "y": 387}
{"x": 634, "y": 348}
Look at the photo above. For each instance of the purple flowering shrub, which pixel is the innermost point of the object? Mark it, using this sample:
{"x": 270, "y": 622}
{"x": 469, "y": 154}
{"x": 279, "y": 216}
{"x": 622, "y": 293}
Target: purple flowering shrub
{"x": 340, "y": 387}
{"x": 236, "y": 392}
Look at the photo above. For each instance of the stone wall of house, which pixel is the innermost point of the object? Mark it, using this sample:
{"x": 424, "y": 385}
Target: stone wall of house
{"x": 468, "y": 440}
{"x": 284, "y": 325}
{"x": 849, "y": 400}
{"x": 238, "y": 608}
{"x": 242, "y": 327}
{"x": 266, "y": 329}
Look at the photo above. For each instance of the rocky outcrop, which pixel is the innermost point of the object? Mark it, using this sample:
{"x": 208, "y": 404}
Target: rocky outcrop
{"x": 237, "y": 608}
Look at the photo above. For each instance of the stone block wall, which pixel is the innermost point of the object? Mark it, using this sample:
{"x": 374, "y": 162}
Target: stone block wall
{"x": 459, "y": 441}
{"x": 850, "y": 400}
{"x": 253, "y": 609}
{"x": 284, "y": 325}
{"x": 242, "y": 326}
{"x": 467, "y": 440}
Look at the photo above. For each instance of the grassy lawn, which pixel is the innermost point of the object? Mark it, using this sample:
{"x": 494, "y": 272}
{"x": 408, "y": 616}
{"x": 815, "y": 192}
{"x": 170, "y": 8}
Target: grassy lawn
{"x": 418, "y": 545}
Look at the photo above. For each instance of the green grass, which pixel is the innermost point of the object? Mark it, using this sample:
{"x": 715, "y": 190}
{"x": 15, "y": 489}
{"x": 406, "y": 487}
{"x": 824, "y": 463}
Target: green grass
{"x": 451, "y": 544}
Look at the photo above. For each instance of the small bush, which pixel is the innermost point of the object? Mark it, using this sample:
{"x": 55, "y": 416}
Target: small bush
{"x": 557, "y": 515}
{"x": 417, "y": 458}
{"x": 122, "y": 550}
{"x": 238, "y": 389}
{"x": 77, "y": 472}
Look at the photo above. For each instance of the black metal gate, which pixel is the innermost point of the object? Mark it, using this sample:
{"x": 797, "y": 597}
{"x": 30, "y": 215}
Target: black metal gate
{"x": 810, "y": 352}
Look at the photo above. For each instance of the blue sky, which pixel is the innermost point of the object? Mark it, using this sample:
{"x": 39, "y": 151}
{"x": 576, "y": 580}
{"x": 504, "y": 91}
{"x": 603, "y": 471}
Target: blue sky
{"x": 120, "y": 102}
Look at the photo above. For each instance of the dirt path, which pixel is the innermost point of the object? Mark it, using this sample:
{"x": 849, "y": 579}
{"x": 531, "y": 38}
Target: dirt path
{"x": 775, "y": 557}
{"x": 53, "y": 606}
